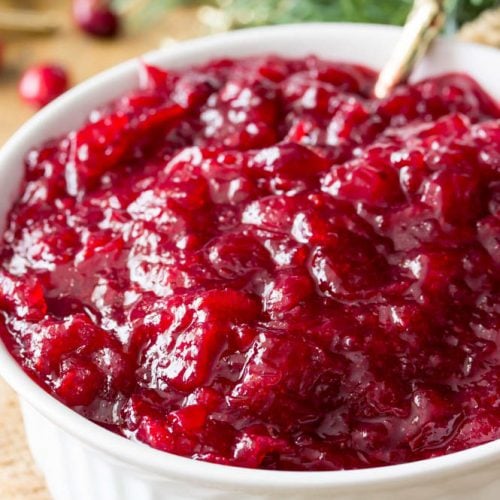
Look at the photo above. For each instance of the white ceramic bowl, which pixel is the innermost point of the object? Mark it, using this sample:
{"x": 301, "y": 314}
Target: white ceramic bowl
{"x": 82, "y": 461}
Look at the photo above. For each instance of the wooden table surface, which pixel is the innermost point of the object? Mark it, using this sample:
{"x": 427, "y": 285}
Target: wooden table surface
{"x": 83, "y": 57}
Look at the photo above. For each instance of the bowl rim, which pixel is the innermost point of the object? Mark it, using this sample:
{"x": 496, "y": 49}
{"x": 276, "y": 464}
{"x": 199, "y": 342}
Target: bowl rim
{"x": 143, "y": 457}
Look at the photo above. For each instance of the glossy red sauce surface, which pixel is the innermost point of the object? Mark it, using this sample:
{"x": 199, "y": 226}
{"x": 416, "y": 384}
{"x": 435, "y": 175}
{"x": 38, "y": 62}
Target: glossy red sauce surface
{"x": 256, "y": 263}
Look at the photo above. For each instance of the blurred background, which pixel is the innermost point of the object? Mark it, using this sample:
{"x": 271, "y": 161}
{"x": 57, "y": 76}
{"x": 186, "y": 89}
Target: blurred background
{"x": 47, "y": 46}
{"x": 82, "y": 37}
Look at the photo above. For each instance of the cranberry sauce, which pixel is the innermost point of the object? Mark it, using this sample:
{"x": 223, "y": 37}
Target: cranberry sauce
{"x": 256, "y": 263}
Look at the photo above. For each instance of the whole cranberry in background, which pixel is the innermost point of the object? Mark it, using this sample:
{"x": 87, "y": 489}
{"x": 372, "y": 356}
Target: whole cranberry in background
{"x": 96, "y": 17}
{"x": 43, "y": 83}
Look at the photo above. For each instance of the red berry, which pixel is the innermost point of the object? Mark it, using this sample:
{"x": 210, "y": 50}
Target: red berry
{"x": 24, "y": 296}
{"x": 96, "y": 17}
{"x": 41, "y": 84}
{"x": 78, "y": 383}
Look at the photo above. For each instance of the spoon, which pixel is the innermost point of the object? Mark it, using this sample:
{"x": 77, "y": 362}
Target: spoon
{"x": 423, "y": 24}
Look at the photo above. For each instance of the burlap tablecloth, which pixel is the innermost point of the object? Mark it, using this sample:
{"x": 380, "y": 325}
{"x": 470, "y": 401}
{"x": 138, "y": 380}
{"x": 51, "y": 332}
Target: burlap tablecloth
{"x": 19, "y": 479}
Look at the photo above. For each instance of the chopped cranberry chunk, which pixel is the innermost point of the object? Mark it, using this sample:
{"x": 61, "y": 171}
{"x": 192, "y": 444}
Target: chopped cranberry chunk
{"x": 22, "y": 295}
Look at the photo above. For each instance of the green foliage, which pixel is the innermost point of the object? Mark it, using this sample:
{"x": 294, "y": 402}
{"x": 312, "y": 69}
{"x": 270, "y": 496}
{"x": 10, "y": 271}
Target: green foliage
{"x": 470, "y": 9}
{"x": 255, "y": 12}
{"x": 258, "y": 12}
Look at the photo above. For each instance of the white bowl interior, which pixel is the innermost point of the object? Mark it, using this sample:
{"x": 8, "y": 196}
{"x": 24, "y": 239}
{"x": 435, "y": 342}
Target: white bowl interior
{"x": 365, "y": 44}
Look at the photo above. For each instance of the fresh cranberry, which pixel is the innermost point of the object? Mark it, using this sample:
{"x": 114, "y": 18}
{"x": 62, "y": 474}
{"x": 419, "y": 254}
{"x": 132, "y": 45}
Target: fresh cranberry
{"x": 96, "y": 17}
{"x": 255, "y": 263}
{"x": 41, "y": 84}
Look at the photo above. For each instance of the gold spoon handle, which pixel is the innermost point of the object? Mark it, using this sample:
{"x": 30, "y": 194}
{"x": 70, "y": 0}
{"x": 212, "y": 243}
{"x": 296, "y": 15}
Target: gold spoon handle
{"x": 424, "y": 22}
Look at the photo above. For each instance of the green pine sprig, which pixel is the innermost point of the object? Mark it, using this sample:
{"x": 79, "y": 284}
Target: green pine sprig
{"x": 242, "y": 13}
